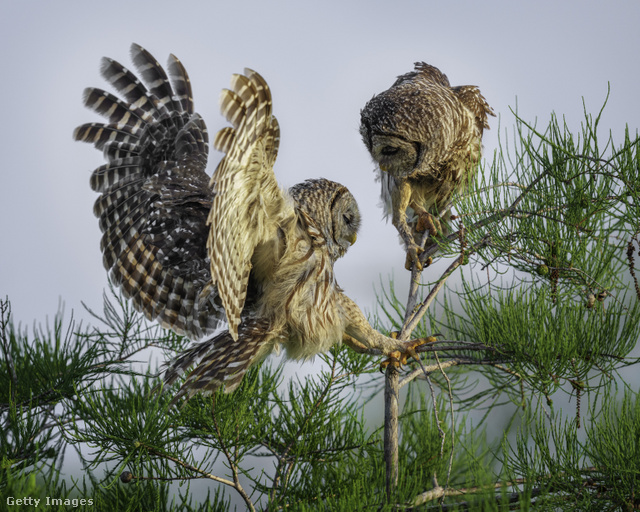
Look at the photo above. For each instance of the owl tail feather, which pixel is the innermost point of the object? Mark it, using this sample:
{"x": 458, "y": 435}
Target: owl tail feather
{"x": 220, "y": 360}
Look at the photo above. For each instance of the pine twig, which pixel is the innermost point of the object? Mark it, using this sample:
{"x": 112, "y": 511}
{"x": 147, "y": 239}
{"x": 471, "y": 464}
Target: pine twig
{"x": 188, "y": 466}
{"x": 391, "y": 393}
{"x": 5, "y": 314}
{"x": 232, "y": 465}
{"x": 282, "y": 457}
{"x": 453, "y": 423}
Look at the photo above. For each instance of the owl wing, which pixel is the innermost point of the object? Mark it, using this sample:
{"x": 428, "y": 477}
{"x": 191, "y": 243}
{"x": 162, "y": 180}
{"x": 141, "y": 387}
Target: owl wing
{"x": 470, "y": 97}
{"x": 248, "y": 206}
{"x": 154, "y": 192}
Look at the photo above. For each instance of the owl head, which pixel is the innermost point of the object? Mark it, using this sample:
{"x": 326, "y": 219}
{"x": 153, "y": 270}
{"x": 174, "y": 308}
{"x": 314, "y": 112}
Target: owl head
{"x": 421, "y": 124}
{"x": 409, "y": 127}
{"x": 330, "y": 213}
{"x": 394, "y": 154}
{"x": 401, "y": 131}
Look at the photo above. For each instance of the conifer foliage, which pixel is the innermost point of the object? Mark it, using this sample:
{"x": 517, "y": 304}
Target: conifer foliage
{"x": 529, "y": 395}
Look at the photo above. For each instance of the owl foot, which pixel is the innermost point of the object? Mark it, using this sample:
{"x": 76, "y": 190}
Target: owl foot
{"x": 413, "y": 256}
{"x": 398, "y": 358}
{"x": 427, "y": 222}
{"x": 408, "y": 263}
{"x": 393, "y": 359}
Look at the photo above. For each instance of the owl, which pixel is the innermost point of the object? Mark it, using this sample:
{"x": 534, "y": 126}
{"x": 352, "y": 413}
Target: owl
{"x": 234, "y": 262}
{"x": 426, "y": 138}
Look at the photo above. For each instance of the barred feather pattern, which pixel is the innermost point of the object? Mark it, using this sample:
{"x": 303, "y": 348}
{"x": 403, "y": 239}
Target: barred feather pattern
{"x": 154, "y": 192}
{"x": 426, "y": 138}
{"x": 190, "y": 251}
{"x": 299, "y": 305}
{"x": 248, "y": 206}
{"x": 220, "y": 360}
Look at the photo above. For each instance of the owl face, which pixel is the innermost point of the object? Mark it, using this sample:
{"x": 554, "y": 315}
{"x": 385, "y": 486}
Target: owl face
{"x": 345, "y": 220}
{"x": 330, "y": 209}
{"x": 397, "y": 156}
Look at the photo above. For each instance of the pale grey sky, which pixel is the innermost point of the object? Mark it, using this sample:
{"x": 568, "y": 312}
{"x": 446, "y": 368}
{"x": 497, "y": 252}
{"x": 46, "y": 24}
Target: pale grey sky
{"x": 323, "y": 61}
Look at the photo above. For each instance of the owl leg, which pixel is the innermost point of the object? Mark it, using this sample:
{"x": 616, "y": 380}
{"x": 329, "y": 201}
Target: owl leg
{"x": 354, "y": 344}
{"x": 400, "y": 199}
{"x": 430, "y": 223}
{"x": 425, "y": 222}
{"x": 361, "y": 337}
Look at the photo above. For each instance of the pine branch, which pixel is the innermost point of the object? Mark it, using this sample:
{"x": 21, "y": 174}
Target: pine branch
{"x": 391, "y": 390}
{"x": 589, "y": 481}
{"x": 190, "y": 467}
{"x": 5, "y": 316}
{"x": 231, "y": 461}
{"x": 282, "y": 457}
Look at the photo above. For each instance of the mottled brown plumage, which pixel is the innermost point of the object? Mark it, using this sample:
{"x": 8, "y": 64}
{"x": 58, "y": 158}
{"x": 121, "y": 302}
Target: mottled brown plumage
{"x": 192, "y": 251}
{"x": 426, "y": 138}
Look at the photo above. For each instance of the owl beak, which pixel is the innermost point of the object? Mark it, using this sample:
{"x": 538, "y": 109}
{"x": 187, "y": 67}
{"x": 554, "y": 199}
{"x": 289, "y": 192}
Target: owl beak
{"x": 352, "y": 240}
{"x": 383, "y": 168}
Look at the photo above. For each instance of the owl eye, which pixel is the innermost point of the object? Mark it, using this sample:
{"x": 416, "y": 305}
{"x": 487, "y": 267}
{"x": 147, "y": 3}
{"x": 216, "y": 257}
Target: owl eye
{"x": 347, "y": 220}
{"x": 389, "y": 150}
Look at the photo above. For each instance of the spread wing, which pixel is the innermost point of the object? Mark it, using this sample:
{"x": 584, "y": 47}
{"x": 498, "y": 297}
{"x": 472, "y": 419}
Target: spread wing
{"x": 248, "y": 206}
{"x": 154, "y": 192}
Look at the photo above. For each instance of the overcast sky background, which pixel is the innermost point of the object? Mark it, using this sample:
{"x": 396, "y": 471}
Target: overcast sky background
{"x": 323, "y": 61}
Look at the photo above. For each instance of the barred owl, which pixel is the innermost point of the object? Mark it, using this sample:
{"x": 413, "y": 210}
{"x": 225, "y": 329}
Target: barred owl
{"x": 192, "y": 251}
{"x": 426, "y": 138}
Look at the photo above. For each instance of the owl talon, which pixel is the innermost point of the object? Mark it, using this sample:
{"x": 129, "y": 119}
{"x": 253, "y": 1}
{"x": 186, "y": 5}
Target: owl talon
{"x": 425, "y": 222}
{"x": 393, "y": 360}
{"x": 430, "y": 223}
{"x": 413, "y": 257}
{"x": 398, "y": 358}
{"x": 410, "y": 350}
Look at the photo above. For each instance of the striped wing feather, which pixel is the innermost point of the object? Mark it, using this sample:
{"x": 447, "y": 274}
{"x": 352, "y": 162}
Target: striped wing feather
{"x": 248, "y": 205}
{"x": 154, "y": 192}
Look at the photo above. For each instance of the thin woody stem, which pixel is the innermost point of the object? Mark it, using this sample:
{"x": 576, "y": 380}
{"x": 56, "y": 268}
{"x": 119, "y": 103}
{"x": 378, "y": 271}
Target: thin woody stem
{"x": 232, "y": 464}
{"x": 391, "y": 392}
{"x": 438, "y": 491}
{"x": 453, "y": 423}
{"x": 193, "y": 468}
{"x": 414, "y": 319}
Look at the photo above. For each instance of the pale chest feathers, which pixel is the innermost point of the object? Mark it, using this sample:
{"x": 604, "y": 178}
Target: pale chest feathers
{"x": 301, "y": 301}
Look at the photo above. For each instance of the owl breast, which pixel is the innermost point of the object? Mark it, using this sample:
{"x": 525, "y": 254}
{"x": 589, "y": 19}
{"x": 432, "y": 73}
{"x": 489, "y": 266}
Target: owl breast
{"x": 306, "y": 316}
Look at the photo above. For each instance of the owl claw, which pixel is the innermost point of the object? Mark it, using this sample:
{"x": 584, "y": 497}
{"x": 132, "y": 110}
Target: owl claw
{"x": 427, "y": 222}
{"x": 398, "y": 358}
{"x": 393, "y": 359}
{"x": 413, "y": 256}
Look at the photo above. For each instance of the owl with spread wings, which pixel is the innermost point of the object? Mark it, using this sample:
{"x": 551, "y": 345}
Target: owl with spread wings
{"x": 193, "y": 251}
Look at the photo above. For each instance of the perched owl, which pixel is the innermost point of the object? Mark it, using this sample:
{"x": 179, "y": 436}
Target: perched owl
{"x": 192, "y": 251}
{"x": 426, "y": 138}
